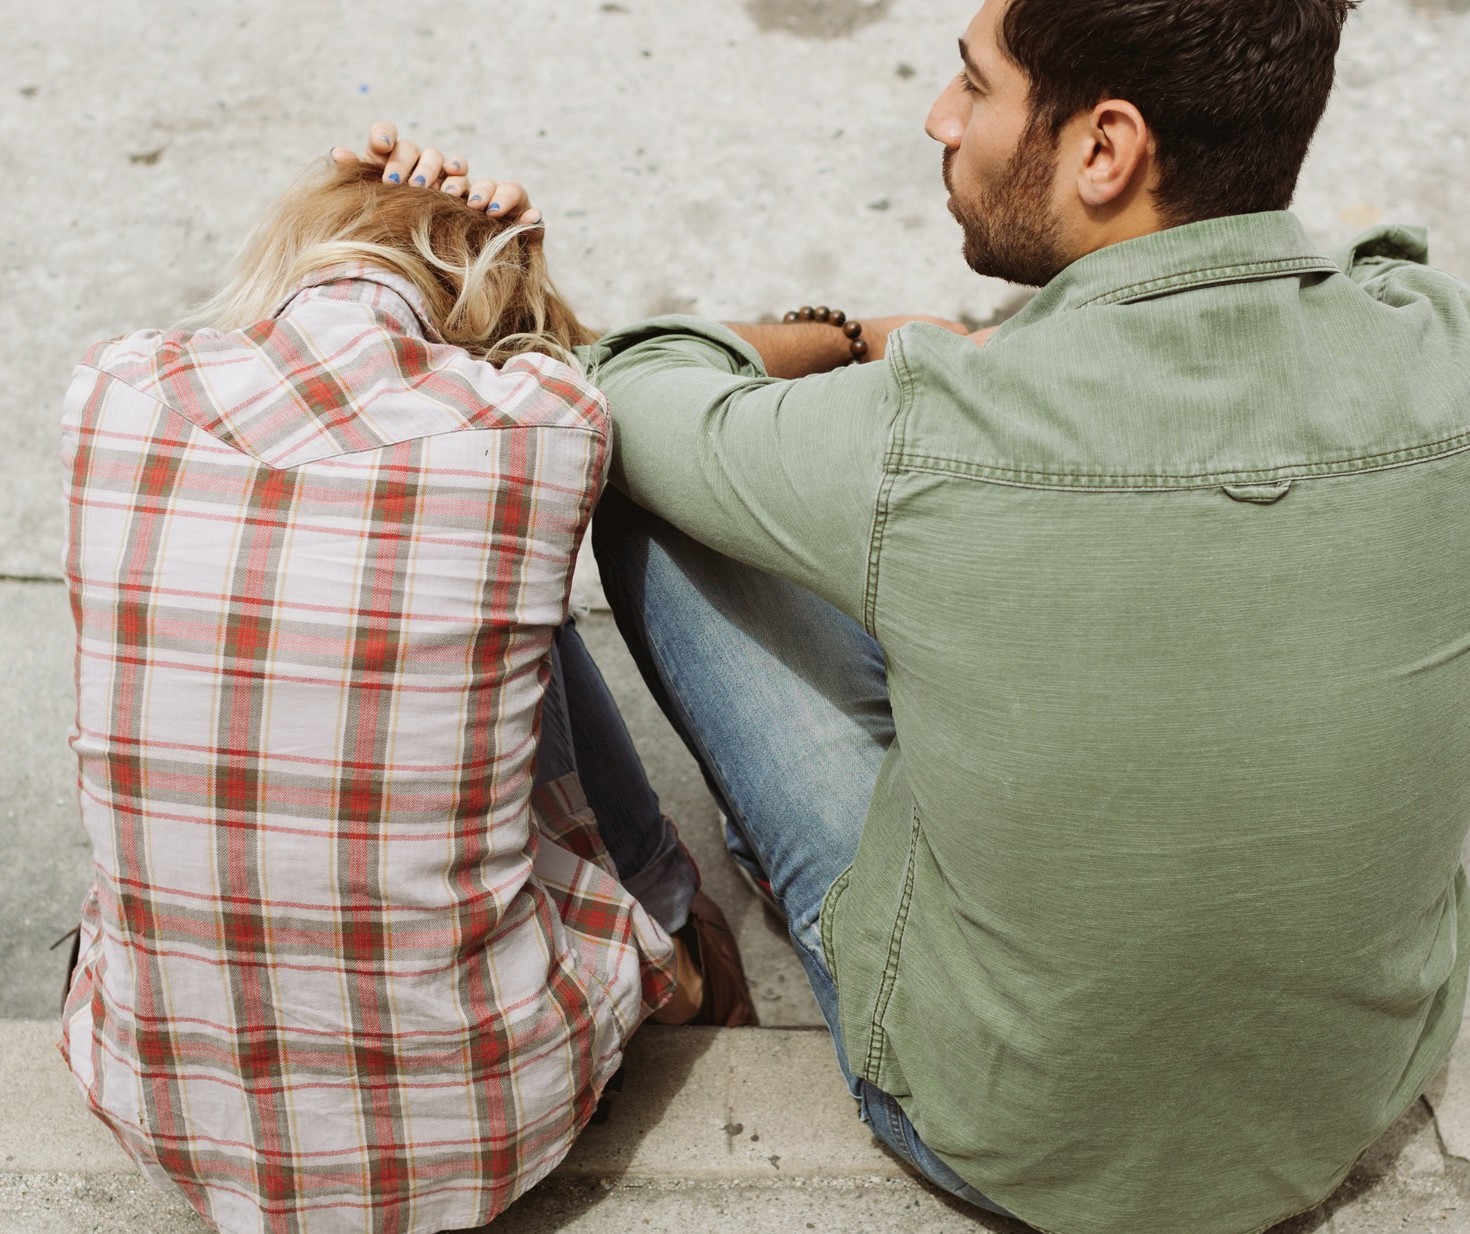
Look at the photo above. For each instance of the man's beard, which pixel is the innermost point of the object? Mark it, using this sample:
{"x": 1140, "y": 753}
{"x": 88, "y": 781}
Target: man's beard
{"x": 1011, "y": 230}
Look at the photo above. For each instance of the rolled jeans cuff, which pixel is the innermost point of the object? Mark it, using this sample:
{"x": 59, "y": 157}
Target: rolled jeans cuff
{"x": 666, "y": 884}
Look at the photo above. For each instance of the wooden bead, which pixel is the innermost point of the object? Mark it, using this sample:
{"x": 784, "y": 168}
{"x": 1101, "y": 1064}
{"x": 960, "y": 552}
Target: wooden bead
{"x": 851, "y": 330}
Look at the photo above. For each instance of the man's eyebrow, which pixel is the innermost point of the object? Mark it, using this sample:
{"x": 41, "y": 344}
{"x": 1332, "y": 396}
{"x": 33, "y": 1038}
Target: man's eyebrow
{"x": 971, "y": 67}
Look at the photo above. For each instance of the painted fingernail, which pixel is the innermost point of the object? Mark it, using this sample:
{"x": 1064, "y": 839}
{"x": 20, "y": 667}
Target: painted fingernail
{"x": 419, "y": 180}
{"x": 453, "y": 165}
{"x": 494, "y": 207}
{"x": 382, "y": 140}
{"x": 393, "y": 176}
{"x": 477, "y": 197}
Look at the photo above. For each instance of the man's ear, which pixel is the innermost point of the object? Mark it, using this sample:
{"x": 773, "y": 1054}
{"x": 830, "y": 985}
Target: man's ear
{"x": 1115, "y": 151}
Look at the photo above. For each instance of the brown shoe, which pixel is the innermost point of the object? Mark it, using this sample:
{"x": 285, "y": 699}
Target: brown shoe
{"x": 727, "y": 1002}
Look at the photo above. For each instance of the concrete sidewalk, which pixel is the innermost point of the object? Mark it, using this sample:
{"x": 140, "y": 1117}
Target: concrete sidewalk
{"x": 730, "y": 1131}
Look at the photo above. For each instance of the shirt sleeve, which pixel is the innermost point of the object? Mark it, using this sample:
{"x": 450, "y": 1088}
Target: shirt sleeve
{"x": 783, "y": 475}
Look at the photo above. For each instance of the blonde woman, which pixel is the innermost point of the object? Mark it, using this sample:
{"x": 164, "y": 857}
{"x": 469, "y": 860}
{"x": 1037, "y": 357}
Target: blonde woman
{"x": 356, "y": 956}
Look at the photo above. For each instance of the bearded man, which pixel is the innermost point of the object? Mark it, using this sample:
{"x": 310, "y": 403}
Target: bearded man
{"x": 1094, "y": 703}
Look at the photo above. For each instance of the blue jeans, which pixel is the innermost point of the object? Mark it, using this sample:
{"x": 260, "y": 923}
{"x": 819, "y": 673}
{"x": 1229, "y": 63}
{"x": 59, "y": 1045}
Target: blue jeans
{"x": 784, "y": 702}
{"x": 583, "y": 731}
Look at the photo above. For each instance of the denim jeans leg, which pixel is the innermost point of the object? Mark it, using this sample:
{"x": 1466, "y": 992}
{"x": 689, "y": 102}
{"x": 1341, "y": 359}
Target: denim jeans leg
{"x": 784, "y": 701}
{"x": 884, "y": 1116}
{"x": 781, "y": 697}
{"x": 583, "y": 731}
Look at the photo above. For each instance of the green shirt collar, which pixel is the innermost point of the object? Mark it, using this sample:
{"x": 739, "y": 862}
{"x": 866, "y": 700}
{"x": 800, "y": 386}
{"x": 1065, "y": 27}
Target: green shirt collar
{"x": 1234, "y": 249}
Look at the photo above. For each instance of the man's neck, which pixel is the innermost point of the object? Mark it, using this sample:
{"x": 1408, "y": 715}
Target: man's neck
{"x": 1128, "y": 218}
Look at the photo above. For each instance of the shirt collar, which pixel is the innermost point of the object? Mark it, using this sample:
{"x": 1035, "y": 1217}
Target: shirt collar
{"x": 367, "y": 272}
{"x": 1235, "y": 249}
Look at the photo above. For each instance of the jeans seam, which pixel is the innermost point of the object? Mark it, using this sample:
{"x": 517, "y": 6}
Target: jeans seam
{"x": 901, "y": 1128}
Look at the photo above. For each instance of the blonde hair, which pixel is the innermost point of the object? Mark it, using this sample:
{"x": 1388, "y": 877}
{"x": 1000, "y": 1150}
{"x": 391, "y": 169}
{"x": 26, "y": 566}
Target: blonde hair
{"x": 483, "y": 279}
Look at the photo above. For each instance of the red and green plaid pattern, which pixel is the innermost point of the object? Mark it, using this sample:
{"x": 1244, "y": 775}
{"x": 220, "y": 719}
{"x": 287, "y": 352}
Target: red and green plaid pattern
{"x": 341, "y": 971}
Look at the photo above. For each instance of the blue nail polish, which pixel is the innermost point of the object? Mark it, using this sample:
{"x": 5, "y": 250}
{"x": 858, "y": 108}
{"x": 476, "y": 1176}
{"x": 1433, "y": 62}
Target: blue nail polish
{"x": 477, "y": 197}
{"x": 496, "y": 206}
{"x": 419, "y": 180}
{"x": 394, "y": 177}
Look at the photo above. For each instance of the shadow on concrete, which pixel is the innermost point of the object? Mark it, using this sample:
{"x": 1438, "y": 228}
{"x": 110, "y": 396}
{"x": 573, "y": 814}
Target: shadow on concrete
{"x": 1375, "y": 1165}
{"x": 991, "y": 1223}
{"x": 656, "y": 1068}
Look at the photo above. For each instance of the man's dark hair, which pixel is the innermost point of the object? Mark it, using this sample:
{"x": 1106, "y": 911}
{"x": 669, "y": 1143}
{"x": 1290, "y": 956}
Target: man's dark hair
{"x": 1231, "y": 89}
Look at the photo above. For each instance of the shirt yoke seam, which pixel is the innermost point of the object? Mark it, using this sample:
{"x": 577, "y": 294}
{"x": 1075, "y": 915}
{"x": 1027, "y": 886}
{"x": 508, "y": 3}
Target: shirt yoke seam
{"x": 588, "y": 429}
{"x": 1115, "y": 481}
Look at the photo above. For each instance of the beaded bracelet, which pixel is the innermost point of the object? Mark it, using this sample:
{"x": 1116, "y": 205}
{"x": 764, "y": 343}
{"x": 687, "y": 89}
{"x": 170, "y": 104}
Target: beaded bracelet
{"x": 852, "y": 330}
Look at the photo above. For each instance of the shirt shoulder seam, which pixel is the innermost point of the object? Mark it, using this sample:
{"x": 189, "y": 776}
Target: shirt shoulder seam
{"x": 600, "y": 434}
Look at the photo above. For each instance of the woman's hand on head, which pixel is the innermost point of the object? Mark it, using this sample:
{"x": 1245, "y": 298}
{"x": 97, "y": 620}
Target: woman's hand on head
{"x": 403, "y": 162}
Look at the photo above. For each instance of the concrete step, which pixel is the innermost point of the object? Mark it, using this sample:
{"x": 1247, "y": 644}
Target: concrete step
{"x": 715, "y": 1129}
{"x": 55, "y": 1204}
{"x": 720, "y": 1130}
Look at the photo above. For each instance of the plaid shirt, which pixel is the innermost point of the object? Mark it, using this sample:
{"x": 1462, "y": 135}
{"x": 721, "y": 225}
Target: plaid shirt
{"x": 341, "y": 969}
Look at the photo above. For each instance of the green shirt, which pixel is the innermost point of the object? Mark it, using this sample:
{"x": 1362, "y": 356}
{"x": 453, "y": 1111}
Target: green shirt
{"x": 1153, "y": 923}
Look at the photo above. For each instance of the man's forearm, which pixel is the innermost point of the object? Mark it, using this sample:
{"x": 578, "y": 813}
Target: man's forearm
{"x": 798, "y": 348}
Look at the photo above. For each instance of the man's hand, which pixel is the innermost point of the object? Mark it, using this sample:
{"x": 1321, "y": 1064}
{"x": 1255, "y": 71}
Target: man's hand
{"x": 403, "y": 162}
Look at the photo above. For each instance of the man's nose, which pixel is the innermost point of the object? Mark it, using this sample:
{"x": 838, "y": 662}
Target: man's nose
{"x": 945, "y": 124}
